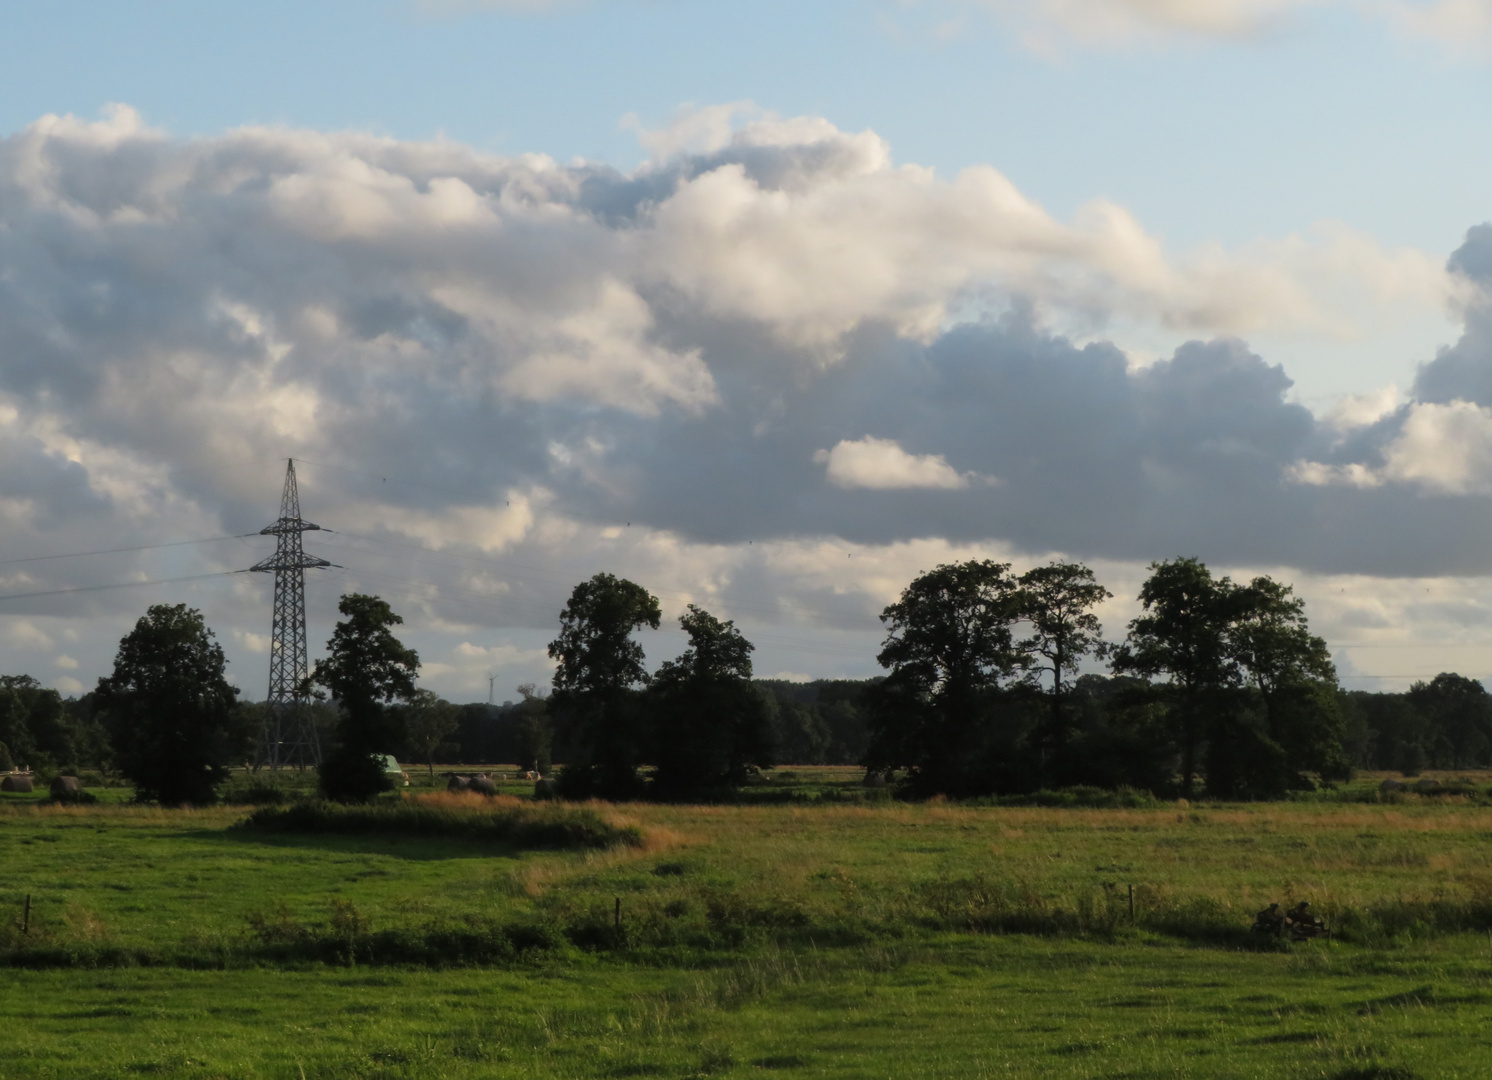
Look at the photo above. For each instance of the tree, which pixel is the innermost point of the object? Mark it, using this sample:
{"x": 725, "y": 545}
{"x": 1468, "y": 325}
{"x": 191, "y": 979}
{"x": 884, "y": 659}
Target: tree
{"x": 169, "y": 709}
{"x": 1247, "y": 681}
{"x": 428, "y": 721}
{"x": 1458, "y": 716}
{"x": 533, "y": 731}
{"x": 366, "y": 669}
{"x": 600, "y": 669}
{"x": 948, "y": 646}
{"x": 1183, "y": 636}
{"x": 1292, "y": 672}
{"x": 711, "y": 723}
{"x": 1057, "y": 600}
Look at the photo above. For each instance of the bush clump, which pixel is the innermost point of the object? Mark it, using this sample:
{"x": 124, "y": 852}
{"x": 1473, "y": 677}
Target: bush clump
{"x": 255, "y": 792}
{"x": 517, "y": 825}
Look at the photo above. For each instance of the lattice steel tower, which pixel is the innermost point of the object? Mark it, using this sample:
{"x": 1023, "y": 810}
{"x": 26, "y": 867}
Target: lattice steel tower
{"x": 289, "y": 735}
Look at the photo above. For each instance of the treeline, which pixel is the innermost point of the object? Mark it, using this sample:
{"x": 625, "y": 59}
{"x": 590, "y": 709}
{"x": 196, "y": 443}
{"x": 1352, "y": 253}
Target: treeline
{"x": 40, "y": 729}
{"x": 994, "y": 685}
{"x": 1218, "y": 689}
{"x": 1445, "y": 723}
{"x": 824, "y": 722}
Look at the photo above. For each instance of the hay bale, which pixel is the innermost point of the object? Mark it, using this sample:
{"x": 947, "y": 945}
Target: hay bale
{"x": 21, "y": 784}
{"x": 65, "y": 787}
{"x": 546, "y": 789}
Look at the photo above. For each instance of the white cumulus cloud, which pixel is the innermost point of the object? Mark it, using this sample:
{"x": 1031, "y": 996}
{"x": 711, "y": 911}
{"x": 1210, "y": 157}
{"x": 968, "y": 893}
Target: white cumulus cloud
{"x": 882, "y": 464}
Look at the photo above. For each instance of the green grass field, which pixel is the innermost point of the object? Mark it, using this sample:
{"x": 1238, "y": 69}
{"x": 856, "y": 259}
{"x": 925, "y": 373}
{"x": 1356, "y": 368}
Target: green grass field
{"x": 815, "y": 938}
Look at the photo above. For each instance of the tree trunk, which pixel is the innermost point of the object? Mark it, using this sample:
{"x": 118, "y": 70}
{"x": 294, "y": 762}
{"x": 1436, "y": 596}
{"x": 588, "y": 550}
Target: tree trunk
{"x": 1189, "y": 744}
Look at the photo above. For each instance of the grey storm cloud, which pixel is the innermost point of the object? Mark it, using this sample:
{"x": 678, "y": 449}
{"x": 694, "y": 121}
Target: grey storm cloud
{"x": 1463, "y": 371}
{"x": 747, "y": 342}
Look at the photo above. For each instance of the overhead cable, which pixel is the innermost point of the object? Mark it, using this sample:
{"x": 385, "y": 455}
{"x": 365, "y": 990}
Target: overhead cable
{"x": 120, "y": 585}
{"x": 115, "y": 551}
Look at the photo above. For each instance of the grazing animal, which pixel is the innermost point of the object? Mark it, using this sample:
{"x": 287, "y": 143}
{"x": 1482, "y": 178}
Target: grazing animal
{"x": 21, "y": 784}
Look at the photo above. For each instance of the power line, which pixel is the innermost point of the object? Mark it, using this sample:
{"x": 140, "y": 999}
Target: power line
{"x": 115, "y": 551}
{"x": 120, "y": 585}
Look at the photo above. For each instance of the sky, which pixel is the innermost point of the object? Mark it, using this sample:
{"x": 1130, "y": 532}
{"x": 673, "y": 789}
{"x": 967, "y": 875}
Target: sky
{"x": 767, "y": 306}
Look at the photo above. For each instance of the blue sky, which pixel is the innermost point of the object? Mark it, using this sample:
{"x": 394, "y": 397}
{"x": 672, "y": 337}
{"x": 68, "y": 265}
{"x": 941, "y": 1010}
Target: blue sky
{"x": 1332, "y": 116}
{"x": 739, "y": 362}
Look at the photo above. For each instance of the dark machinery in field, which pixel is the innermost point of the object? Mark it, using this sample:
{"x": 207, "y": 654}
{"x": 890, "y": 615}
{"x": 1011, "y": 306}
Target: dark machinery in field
{"x": 1298, "y": 924}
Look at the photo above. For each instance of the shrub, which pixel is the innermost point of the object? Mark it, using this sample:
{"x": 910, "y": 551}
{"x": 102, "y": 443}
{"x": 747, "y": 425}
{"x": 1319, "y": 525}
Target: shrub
{"x": 256, "y": 792}
{"x": 516, "y": 825}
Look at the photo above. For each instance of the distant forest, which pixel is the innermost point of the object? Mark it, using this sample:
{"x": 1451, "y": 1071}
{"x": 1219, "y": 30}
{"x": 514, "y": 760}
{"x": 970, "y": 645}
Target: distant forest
{"x": 1442, "y": 724}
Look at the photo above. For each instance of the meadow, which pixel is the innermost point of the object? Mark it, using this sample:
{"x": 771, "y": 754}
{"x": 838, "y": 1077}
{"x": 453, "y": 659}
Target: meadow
{"x": 821, "y": 930}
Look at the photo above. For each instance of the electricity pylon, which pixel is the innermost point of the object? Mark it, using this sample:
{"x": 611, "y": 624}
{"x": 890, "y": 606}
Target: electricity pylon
{"x": 289, "y": 734}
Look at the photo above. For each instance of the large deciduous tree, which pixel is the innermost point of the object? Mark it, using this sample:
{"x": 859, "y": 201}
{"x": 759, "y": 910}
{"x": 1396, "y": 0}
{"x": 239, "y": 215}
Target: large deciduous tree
{"x": 1057, "y": 602}
{"x": 600, "y": 671}
{"x": 1248, "y": 685}
{"x": 366, "y": 669}
{"x": 1182, "y": 636}
{"x": 711, "y": 723}
{"x": 949, "y": 645}
{"x": 169, "y": 709}
{"x": 1291, "y": 672}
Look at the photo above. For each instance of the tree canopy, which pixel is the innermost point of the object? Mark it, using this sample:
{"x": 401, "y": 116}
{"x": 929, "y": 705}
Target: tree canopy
{"x": 600, "y": 669}
{"x": 949, "y": 646}
{"x": 711, "y": 724}
{"x": 169, "y": 709}
{"x": 1057, "y": 602}
{"x": 1246, "y": 681}
{"x": 1182, "y": 636}
{"x": 366, "y": 669}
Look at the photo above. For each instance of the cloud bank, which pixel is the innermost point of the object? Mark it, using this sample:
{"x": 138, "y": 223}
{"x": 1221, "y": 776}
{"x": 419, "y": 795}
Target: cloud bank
{"x": 768, "y": 353}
